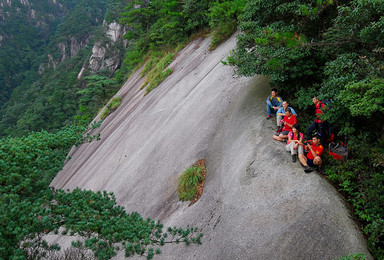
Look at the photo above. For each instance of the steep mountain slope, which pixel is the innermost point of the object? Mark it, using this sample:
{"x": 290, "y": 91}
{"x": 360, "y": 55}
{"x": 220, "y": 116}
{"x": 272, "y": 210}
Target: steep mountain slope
{"x": 256, "y": 203}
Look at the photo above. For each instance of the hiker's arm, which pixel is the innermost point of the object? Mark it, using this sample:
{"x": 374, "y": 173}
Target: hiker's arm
{"x": 281, "y": 103}
{"x": 300, "y": 141}
{"x": 285, "y": 123}
{"x": 313, "y": 152}
{"x": 269, "y": 100}
{"x": 279, "y": 113}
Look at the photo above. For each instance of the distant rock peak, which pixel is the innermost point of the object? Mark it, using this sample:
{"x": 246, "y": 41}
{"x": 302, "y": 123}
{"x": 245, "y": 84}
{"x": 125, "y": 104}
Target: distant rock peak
{"x": 105, "y": 54}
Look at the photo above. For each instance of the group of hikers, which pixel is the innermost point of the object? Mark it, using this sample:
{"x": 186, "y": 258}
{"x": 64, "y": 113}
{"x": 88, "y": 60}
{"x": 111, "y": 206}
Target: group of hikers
{"x": 308, "y": 150}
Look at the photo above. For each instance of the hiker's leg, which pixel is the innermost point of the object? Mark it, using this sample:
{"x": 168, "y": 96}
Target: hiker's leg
{"x": 323, "y": 133}
{"x": 300, "y": 149}
{"x": 268, "y": 109}
{"x": 289, "y": 148}
{"x": 317, "y": 161}
{"x": 310, "y": 129}
{"x": 303, "y": 159}
{"x": 278, "y": 138}
{"x": 293, "y": 151}
{"x": 283, "y": 136}
{"x": 294, "y": 148}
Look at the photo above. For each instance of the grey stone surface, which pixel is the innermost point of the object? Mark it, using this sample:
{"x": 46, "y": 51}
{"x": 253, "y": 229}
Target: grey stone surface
{"x": 256, "y": 204}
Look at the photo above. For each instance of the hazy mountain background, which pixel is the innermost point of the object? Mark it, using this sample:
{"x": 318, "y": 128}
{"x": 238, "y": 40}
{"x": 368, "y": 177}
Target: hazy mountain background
{"x": 43, "y": 46}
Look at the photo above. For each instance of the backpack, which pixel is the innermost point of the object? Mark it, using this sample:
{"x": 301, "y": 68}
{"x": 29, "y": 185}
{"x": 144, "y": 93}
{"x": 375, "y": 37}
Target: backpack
{"x": 338, "y": 151}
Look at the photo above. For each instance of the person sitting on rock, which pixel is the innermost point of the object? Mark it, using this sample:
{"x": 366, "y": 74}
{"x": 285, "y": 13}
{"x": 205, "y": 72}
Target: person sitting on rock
{"x": 314, "y": 151}
{"x": 287, "y": 123}
{"x": 274, "y": 102}
{"x": 295, "y": 142}
{"x": 281, "y": 113}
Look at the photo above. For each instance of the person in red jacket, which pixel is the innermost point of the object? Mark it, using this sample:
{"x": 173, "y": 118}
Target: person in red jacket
{"x": 288, "y": 121}
{"x": 318, "y": 124}
{"x": 314, "y": 151}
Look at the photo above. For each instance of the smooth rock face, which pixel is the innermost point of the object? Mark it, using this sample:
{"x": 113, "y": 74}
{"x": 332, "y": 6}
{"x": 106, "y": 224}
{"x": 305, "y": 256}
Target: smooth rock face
{"x": 256, "y": 203}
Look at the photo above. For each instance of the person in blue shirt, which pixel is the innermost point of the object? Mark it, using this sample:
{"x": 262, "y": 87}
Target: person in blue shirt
{"x": 280, "y": 113}
{"x": 274, "y": 102}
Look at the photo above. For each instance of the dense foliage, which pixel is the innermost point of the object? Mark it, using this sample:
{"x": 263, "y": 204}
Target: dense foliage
{"x": 29, "y": 209}
{"x": 27, "y": 166}
{"x": 158, "y": 25}
{"x": 23, "y": 41}
{"x": 96, "y": 93}
{"x": 334, "y": 49}
{"x": 40, "y": 61}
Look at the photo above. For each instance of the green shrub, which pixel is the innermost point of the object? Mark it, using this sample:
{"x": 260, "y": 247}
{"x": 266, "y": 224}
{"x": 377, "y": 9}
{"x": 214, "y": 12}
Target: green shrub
{"x": 223, "y": 18}
{"x": 155, "y": 68}
{"x": 30, "y": 209}
{"x": 112, "y": 106}
{"x": 154, "y": 58}
{"x": 357, "y": 256}
{"x": 115, "y": 103}
{"x": 189, "y": 181}
{"x": 157, "y": 80}
{"x": 222, "y": 33}
{"x": 360, "y": 179}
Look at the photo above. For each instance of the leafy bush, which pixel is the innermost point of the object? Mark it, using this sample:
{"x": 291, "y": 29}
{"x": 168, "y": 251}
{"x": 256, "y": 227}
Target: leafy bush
{"x": 160, "y": 25}
{"x": 223, "y": 18}
{"x": 360, "y": 178}
{"x": 357, "y": 256}
{"x": 30, "y": 209}
{"x": 95, "y": 94}
{"x": 195, "y": 11}
{"x": 111, "y": 106}
{"x": 363, "y": 98}
{"x": 28, "y": 164}
{"x": 161, "y": 76}
{"x": 189, "y": 181}
{"x": 155, "y": 68}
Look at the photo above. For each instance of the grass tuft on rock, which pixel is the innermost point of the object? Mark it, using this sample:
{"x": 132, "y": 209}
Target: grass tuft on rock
{"x": 112, "y": 106}
{"x": 191, "y": 182}
{"x": 155, "y": 69}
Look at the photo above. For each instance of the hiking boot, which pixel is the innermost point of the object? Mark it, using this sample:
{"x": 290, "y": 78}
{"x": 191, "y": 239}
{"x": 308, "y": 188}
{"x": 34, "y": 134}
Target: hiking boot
{"x": 307, "y": 169}
{"x": 294, "y": 157}
{"x": 268, "y": 116}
